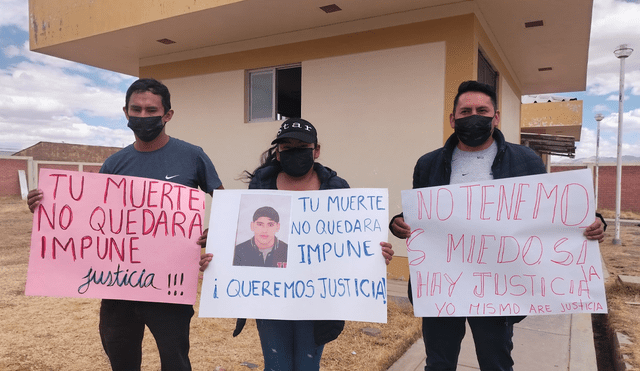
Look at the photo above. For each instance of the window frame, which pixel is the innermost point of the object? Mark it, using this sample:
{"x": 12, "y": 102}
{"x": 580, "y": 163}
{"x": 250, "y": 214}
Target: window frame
{"x": 484, "y": 69}
{"x": 274, "y": 92}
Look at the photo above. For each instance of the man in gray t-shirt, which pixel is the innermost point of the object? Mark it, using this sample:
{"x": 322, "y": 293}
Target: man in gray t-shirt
{"x": 153, "y": 155}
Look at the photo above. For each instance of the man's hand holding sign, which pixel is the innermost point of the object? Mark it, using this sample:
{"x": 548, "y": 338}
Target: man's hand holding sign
{"x": 506, "y": 247}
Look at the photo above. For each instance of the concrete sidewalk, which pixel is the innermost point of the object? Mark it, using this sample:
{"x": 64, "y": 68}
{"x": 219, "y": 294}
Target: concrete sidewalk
{"x": 557, "y": 342}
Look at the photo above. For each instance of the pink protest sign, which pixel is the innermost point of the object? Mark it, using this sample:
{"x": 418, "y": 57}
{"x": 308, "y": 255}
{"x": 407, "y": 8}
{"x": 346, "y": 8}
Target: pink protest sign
{"x": 115, "y": 237}
{"x": 505, "y": 247}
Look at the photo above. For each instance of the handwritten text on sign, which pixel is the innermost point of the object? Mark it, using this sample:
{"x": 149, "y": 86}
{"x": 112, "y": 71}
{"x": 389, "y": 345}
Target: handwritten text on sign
{"x": 115, "y": 237}
{"x": 334, "y": 267}
{"x": 505, "y": 247}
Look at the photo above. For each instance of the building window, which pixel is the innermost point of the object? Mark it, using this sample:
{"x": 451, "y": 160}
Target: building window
{"x": 486, "y": 73}
{"x": 274, "y": 93}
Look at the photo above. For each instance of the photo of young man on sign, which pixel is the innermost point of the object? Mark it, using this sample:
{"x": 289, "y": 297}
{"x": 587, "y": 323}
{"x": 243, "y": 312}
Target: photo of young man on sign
{"x": 264, "y": 249}
{"x": 262, "y": 231}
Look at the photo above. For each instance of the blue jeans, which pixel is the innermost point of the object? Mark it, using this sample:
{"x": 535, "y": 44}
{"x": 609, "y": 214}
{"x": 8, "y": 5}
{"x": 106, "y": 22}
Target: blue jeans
{"x": 491, "y": 335}
{"x": 122, "y": 328}
{"x": 288, "y": 345}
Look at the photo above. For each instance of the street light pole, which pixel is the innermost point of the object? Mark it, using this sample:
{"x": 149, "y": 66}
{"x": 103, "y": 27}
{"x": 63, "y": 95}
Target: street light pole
{"x": 598, "y": 118}
{"x": 621, "y": 53}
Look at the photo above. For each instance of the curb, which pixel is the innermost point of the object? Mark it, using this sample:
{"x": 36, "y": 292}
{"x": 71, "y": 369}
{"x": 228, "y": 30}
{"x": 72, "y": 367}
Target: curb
{"x": 411, "y": 359}
{"x": 582, "y": 350}
{"x": 617, "y": 338}
{"x": 619, "y": 360}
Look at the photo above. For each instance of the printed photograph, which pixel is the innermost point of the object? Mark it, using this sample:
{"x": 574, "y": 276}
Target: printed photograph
{"x": 262, "y": 231}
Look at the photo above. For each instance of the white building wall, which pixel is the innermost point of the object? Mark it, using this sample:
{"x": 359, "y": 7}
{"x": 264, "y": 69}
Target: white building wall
{"x": 209, "y": 112}
{"x": 376, "y": 113}
{"x": 509, "y": 112}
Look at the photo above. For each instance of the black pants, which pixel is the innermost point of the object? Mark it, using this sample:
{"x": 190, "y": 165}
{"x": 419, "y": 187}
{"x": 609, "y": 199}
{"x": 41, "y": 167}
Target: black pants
{"x": 122, "y": 328}
{"x": 491, "y": 335}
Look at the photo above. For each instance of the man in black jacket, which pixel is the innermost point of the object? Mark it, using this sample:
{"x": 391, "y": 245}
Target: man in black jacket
{"x": 477, "y": 151}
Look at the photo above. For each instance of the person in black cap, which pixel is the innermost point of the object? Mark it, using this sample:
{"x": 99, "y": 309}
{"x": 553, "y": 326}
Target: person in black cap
{"x": 290, "y": 162}
{"x": 264, "y": 249}
{"x": 290, "y": 165}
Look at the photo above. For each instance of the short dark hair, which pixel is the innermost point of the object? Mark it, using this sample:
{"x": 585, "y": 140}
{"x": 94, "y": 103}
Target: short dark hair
{"x": 152, "y": 85}
{"x": 479, "y": 87}
{"x": 266, "y": 211}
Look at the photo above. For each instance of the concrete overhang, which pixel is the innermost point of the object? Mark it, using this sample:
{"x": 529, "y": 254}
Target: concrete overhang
{"x": 122, "y": 36}
{"x": 553, "y": 118}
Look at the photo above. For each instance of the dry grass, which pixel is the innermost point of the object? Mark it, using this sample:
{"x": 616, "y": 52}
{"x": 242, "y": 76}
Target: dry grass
{"x": 623, "y": 302}
{"x": 611, "y": 214}
{"x": 41, "y": 333}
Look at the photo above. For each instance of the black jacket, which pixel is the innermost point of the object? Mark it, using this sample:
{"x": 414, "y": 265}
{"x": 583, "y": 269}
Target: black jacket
{"x": 248, "y": 254}
{"x": 265, "y": 178}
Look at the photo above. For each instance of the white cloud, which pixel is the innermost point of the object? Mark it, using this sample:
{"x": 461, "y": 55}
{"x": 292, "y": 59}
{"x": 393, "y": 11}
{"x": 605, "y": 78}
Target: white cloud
{"x": 607, "y": 83}
{"x": 28, "y": 86}
{"x": 630, "y": 121}
{"x": 11, "y": 51}
{"x": 586, "y": 148}
{"x": 615, "y": 22}
{"x": 601, "y": 108}
{"x": 615, "y": 97}
{"x": 15, "y": 13}
{"x": 43, "y": 98}
{"x": 19, "y": 132}
{"x": 43, "y": 59}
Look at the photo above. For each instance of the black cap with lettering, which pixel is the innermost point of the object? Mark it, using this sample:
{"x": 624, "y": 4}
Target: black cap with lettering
{"x": 297, "y": 129}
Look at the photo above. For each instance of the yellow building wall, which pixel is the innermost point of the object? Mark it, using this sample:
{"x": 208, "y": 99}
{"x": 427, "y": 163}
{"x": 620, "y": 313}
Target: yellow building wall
{"x": 55, "y": 22}
{"x": 380, "y": 99}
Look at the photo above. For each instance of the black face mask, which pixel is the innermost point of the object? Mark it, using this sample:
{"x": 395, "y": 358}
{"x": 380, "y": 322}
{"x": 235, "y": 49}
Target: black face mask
{"x": 296, "y": 162}
{"x": 474, "y": 130}
{"x": 146, "y": 128}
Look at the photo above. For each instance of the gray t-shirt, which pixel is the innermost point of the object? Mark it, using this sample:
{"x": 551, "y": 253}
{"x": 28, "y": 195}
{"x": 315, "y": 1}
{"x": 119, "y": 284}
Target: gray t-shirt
{"x": 177, "y": 162}
{"x": 472, "y": 166}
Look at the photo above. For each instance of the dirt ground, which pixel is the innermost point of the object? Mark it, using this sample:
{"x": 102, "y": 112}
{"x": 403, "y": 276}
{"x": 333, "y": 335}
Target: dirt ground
{"x": 42, "y": 333}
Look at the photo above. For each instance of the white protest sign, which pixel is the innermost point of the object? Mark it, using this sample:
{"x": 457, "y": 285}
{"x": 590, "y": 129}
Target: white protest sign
{"x": 333, "y": 266}
{"x": 504, "y": 247}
